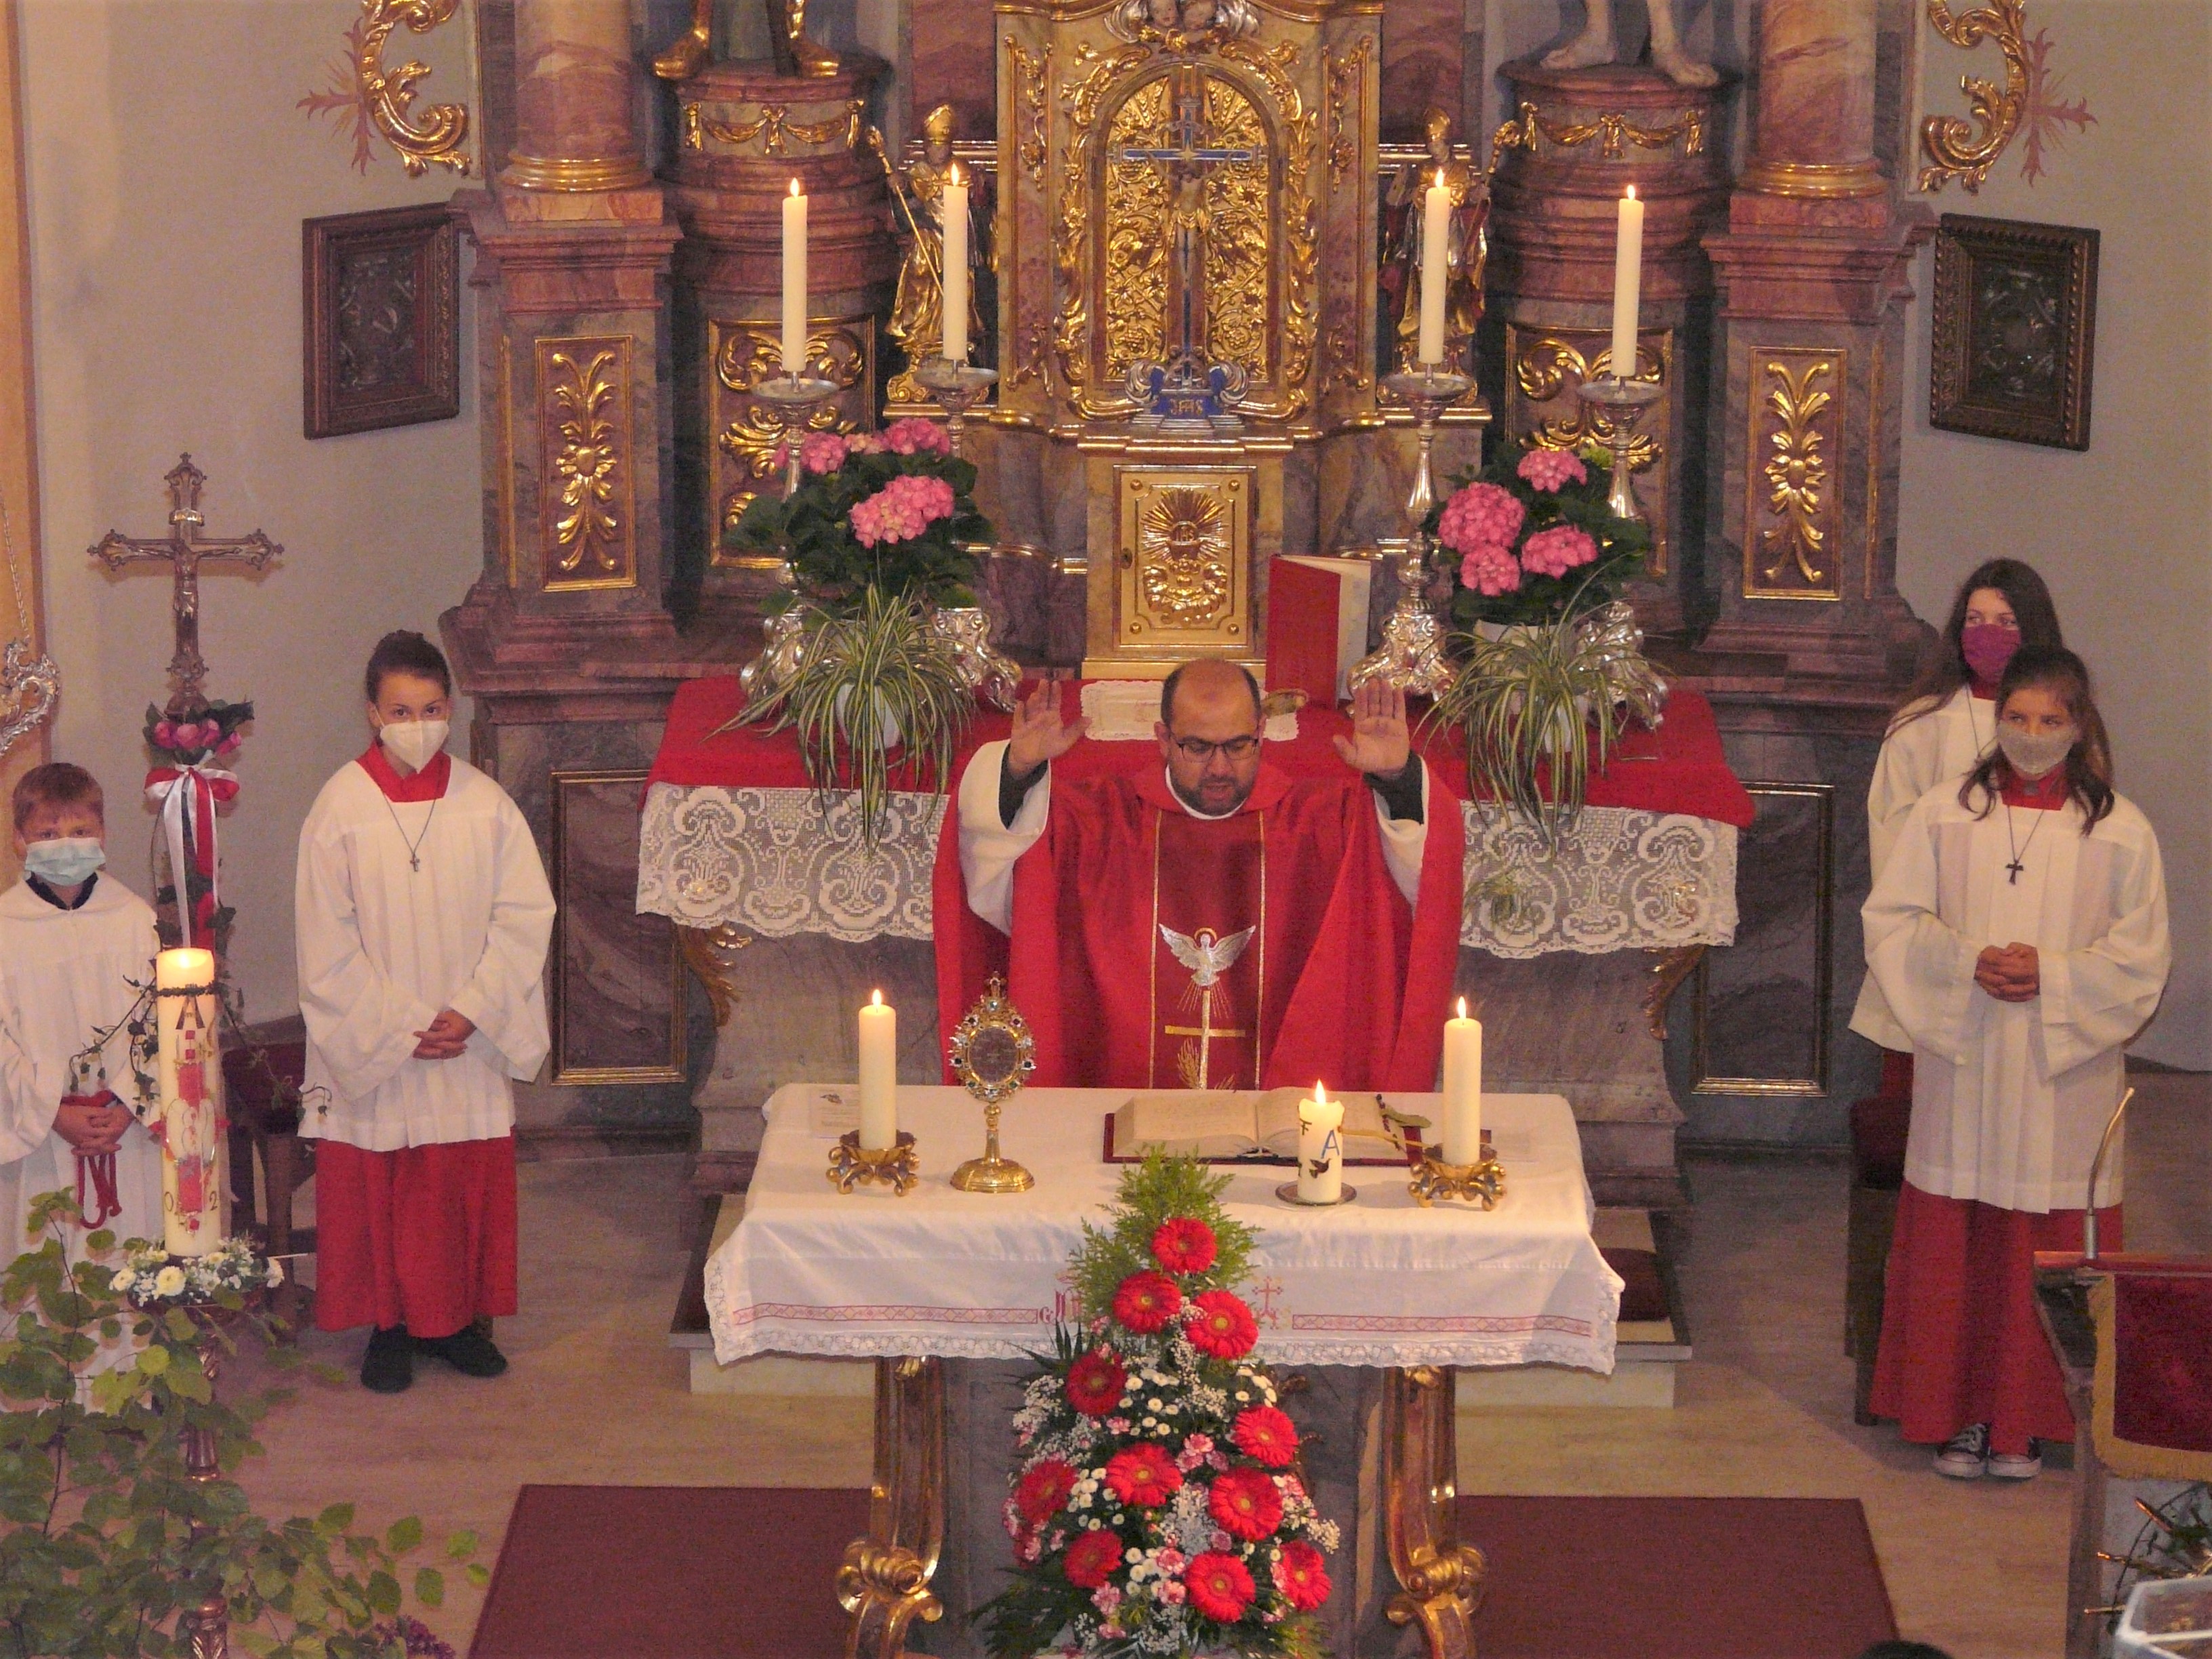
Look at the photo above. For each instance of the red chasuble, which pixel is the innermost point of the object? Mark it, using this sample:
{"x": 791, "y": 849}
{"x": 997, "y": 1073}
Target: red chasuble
{"x": 1270, "y": 947}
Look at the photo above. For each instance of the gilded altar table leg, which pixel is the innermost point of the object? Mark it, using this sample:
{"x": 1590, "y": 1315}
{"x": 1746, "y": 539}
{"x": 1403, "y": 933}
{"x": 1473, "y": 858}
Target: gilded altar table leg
{"x": 884, "y": 1584}
{"x": 1669, "y": 970}
{"x": 1440, "y": 1580}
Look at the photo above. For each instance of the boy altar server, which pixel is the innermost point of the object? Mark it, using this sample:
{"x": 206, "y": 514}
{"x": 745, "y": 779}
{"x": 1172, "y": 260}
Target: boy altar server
{"x": 2018, "y": 932}
{"x": 423, "y": 915}
{"x": 75, "y": 947}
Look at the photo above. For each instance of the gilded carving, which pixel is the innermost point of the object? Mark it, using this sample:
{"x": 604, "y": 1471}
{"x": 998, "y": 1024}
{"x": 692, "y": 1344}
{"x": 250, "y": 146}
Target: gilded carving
{"x": 1071, "y": 327}
{"x": 585, "y": 489}
{"x": 1542, "y": 371}
{"x": 776, "y": 129}
{"x": 1346, "y": 76}
{"x": 1183, "y": 550}
{"x": 1032, "y": 92}
{"x": 749, "y": 431}
{"x": 1614, "y": 131}
{"x": 383, "y": 99}
{"x": 1793, "y": 426}
{"x": 1184, "y": 537}
{"x": 1300, "y": 218}
{"x": 1966, "y": 150}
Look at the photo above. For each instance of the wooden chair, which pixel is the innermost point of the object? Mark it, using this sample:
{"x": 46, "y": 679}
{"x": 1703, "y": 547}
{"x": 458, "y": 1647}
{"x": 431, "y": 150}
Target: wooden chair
{"x": 1879, "y": 1127}
{"x": 264, "y": 1121}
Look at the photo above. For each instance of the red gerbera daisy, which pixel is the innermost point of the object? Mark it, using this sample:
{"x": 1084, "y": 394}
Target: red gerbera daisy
{"x": 1147, "y": 1303}
{"x": 1264, "y": 1433}
{"x": 1221, "y": 1325}
{"x": 1142, "y": 1475}
{"x": 1245, "y": 1505}
{"x": 1219, "y": 1586}
{"x": 1094, "y": 1383}
{"x": 1302, "y": 1576}
{"x": 1092, "y": 1558}
{"x": 1043, "y": 1489}
{"x": 1184, "y": 1245}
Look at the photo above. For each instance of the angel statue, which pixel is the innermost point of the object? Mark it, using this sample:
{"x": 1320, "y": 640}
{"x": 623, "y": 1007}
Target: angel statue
{"x": 794, "y": 53}
{"x": 1600, "y": 43}
{"x": 917, "y": 318}
{"x": 1404, "y": 228}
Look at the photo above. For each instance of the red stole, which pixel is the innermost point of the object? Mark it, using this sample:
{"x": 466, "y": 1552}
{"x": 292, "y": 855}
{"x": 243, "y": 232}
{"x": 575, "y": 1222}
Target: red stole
{"x": 427, "y": 784}
{"x": 1349, "y": 982}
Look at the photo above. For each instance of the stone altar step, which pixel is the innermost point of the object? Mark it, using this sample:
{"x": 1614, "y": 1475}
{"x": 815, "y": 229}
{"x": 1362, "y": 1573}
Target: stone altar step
{"x": 1646, "y": 1354}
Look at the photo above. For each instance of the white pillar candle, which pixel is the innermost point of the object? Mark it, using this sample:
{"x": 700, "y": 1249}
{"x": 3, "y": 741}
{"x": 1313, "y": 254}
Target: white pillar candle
{"x": 186, "y": 1073}
{"x": 878, "y": 1075}
{"x": 1320, "y": 1147}
{"x": 794, "y": 281}
{"x": 1627, "y": 284}
{"x": 1436, "y": 255}
{"x": 1462, "y": 1089}
{"x": 956, "y": 267}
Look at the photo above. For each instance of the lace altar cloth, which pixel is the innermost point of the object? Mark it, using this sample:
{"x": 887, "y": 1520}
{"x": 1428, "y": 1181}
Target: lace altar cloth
{"x": 775, "y": 862}
{"x": 1377, "y": 1282}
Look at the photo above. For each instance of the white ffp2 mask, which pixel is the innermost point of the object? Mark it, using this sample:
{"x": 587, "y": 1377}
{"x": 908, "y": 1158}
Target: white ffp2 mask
{"x": 413, "y": 743}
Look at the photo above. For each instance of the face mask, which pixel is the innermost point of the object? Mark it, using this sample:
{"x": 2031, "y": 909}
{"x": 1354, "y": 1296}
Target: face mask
{"x": 65, "y": 862}
{"x": 413, "y": 742}
{"x": 2033, "y": 753}
{"x": 1988, "y": 648}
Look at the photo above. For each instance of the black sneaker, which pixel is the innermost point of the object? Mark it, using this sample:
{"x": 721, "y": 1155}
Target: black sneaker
{"x": 468, "y": 1351}
{"x": 388, "y": 1367}
{"x": 1966, "y": 1455}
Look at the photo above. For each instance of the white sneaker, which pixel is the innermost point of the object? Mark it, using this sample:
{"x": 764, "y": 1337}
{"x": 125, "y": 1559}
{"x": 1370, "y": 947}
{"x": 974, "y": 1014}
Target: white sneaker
{"x": 2011, "y": 1466}
{"x": 1966, "y": 1455}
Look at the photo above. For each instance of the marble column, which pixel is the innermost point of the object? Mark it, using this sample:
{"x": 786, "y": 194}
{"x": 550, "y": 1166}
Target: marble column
{"x": 1812, "y": 119}
{"x": 576, "y": 93}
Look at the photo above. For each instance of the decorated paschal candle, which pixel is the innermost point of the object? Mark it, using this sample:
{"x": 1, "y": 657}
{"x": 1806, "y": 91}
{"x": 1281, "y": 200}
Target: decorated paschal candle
{"x": 1320, "y": 1149}
{"x": 185, "y": 1072}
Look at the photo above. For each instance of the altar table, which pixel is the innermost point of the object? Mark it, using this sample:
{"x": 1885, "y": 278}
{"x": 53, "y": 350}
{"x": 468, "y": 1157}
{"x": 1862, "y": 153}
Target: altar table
{"x": 1371, "y": 1302}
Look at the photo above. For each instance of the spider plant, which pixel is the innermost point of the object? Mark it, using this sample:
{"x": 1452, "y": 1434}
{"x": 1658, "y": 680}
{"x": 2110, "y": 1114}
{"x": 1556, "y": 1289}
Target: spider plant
{"x": 1532, "y": 708}
{"x": 868, "y": 683}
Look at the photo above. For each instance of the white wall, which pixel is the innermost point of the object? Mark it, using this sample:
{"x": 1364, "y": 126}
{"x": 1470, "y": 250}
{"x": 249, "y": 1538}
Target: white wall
{"x": 2123, "y": 530}
{"x": 169, "y": 174}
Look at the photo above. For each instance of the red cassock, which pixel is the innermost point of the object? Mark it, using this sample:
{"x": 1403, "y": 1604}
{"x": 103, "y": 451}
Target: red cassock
{"x": 1125, "y": 959}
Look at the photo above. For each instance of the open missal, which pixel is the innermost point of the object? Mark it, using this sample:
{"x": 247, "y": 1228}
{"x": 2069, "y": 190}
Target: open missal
{"x": 1243, "y": 1125}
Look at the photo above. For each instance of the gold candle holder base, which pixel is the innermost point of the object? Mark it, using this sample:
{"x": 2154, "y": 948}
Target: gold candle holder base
{"x": 992, "y": 1173}
{"x": 1482, "y": 1182}
{"x": 851, "y": 1164}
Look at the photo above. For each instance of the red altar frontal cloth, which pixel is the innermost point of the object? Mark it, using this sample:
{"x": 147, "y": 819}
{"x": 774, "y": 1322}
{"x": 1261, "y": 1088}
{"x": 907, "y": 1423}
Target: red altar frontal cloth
{"x": 1677, "y": 768}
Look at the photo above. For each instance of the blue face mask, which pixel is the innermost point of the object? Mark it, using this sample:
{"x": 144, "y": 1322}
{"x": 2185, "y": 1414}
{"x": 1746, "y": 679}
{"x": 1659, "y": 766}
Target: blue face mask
{"x": 65, "y": 862}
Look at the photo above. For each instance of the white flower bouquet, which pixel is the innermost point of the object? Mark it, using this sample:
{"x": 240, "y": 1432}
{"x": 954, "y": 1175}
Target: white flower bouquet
{"x": 151, "y": 1275}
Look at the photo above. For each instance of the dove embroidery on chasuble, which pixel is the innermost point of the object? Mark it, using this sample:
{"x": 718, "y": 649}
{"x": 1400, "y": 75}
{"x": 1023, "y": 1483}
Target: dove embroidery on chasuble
{"x": 1209, "y": 968}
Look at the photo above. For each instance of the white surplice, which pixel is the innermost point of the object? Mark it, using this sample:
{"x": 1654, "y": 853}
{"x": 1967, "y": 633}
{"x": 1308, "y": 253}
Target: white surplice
{"x": 1918, "y": 753}
{"x": 65, "y": 975}
{"x": 990, "y": 848}
{"x": 383, "y": 947}
{"x": 2008, "y": 1098}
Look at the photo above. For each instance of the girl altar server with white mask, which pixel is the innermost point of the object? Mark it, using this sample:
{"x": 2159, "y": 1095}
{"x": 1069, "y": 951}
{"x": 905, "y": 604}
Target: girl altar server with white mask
{"x": 1945, "y": 725}
{"x": 2018, "y": 932}
{"x": 423, "y": 915}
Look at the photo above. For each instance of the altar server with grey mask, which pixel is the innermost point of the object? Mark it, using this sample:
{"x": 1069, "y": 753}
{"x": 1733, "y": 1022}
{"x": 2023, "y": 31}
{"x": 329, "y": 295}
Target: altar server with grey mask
{"x": 2018, "y": 934}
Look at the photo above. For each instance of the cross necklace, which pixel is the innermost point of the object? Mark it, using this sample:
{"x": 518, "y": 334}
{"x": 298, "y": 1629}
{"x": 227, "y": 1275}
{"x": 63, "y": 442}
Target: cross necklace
{"x": 415, "y": 847}
{"x": 2018, "y": 848}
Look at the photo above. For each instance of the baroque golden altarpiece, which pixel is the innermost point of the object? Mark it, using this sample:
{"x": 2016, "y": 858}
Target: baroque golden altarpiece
{"x": 1187, "y": 233}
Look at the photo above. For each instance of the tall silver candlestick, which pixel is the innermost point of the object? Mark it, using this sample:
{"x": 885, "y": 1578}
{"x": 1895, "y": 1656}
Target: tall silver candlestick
{"x": 956, "y": 386}
{"x": 1411, "y": 657}
{"x": 1621, "y": 403}
{"x": 795, "y": 399}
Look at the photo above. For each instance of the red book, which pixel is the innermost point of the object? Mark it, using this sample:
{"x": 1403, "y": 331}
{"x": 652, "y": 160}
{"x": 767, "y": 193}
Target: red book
{"x": 1316, "y": 624}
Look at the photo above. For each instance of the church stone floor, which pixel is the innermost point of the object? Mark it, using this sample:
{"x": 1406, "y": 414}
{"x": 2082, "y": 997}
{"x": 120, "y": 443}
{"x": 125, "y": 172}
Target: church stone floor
{"x": 596, "y": 1395}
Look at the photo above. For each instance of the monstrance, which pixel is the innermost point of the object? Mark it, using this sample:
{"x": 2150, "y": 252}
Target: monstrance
{"x": 993, "y": 1051}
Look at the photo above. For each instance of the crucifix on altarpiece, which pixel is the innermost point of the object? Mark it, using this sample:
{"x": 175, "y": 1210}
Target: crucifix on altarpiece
{"x": 185, "y": 552}
{"x": 1189, "y": 389}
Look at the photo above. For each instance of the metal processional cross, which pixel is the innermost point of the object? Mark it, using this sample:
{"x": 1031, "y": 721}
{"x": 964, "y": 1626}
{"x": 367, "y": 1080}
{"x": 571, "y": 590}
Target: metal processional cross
{"x": 1183, "y": 166}
{"x": 183, "y": 551}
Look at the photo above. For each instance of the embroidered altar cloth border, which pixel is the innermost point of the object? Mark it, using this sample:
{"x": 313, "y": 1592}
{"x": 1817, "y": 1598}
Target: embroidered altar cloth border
{"x": 1377, "y": 1282}
{"x": 779, "y": 862}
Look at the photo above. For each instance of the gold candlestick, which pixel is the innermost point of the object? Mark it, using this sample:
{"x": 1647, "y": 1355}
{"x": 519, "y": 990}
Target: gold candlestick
{"x": 852, "y": 1164}
{"x": 1481, "y": 1182}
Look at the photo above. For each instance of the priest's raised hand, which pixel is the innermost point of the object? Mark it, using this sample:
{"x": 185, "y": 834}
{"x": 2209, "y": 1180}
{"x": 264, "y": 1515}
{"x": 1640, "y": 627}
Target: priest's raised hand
{"x": 1039, "y": 734}
{"x": 1381, "y": 744}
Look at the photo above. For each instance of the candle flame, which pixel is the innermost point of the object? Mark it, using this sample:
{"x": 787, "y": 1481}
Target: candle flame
{"x": 1321, "y": 1095}
{"x": 876, "y": 998}
{"x": 794, "y": 188}
{"x": 1462, "y": 1007}
{"x": 952, "y": 174}
{"x": 1631, "y": 192}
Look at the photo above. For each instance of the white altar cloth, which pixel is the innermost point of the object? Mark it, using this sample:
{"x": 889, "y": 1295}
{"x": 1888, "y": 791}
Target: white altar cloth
{"x": 971, "y": 1275}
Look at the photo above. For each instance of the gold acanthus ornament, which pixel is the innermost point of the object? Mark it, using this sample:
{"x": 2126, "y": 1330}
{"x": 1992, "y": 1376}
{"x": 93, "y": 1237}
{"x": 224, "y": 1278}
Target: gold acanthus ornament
{"x": 389, "y": 94}
{"x": 747, "y": 354}
{"x": 1796, "y": 473}
{"x": 586, "y": 528}
{"x": 1613, "y": 130}
{"x": 1966, "y": 151}
{"x": 1551, "y": 368}
{"x": 775, "y": 129}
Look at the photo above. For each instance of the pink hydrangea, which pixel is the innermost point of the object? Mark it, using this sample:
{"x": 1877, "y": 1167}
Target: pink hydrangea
{"x": 1489, "y": 571}
{"x": 901, "y": 510}
{"x": 914, "y": 436}
{"x": 822, "y": 451}
{"x": 1482, "y": 515}
{"x": 1556, "y": 551}
{"x": 864, "y": 443}
{"x": 1553, "y": 469}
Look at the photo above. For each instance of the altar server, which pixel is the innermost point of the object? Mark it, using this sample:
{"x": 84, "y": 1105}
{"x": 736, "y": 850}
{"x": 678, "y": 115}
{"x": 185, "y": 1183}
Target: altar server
{"x": 423, "y": 915}
{"x": 1947, "y": 723}
{"x": 75, "y": 947}
{"x": 2019, "y": 931}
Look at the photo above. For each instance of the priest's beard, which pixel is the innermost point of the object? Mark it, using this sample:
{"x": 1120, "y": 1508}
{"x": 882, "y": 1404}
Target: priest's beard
{"x": 1212, "y": 796}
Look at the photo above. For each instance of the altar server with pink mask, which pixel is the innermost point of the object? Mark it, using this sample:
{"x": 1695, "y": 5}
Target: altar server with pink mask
{"x": 423, "y": 916}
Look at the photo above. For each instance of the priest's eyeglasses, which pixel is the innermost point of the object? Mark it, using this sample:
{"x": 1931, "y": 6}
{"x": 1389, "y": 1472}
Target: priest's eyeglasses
{"x": 1198, "y": 751}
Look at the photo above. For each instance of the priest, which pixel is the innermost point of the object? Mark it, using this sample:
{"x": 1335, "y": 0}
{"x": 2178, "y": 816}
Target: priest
{"x": 1201, "y": 919}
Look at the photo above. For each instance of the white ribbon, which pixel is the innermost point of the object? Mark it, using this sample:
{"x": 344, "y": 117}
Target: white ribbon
{"x": 174, "y": 797}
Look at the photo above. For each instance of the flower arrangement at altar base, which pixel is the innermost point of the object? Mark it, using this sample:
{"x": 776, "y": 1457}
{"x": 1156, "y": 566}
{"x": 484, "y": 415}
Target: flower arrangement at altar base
{"x": 1157, "y": 1507}
{"x": 224, "y": 1276}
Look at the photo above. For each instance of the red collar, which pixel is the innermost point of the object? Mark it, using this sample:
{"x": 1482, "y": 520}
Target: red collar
{"x": 1983, "y": 691}
{"x": 2045, "y": 794}
{"x": 428, "y": 784}
{"x": 1268, "y": 790}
